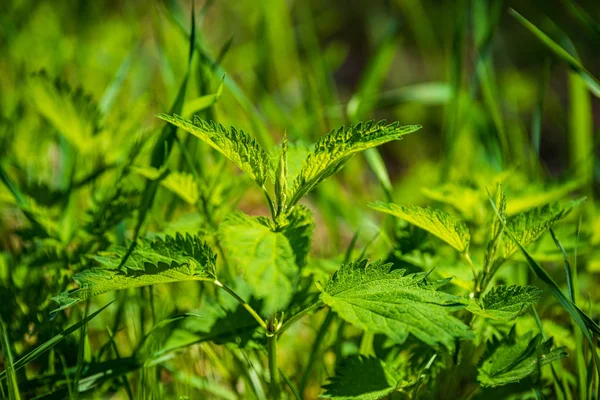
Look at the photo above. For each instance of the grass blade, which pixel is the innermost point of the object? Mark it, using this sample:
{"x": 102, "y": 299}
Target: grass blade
{"x": 13, "y": 388}
{"x": 584, "y": 322}
{"x": 591, "y": 81}
{"x": 41, "y": 349}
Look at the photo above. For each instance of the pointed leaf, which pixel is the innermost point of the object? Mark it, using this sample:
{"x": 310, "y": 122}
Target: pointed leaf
{"x": 333, "y": 150}
{"x": 505, "y": 302}
{"x": 530, "y": 225}
{"x": 451, "y": 230}
{"x": 241, "y": 149}
{"x": 172, "y": 259}
{"x": 378, "y": 300}
{"x": 514, "y": 359}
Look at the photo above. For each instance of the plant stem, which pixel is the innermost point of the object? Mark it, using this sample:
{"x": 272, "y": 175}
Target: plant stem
{"x": 247, "y": 306}
{"x": 299, "y": 315}
{"x": 272, "y": 350}
{"x": 270, "y": 202}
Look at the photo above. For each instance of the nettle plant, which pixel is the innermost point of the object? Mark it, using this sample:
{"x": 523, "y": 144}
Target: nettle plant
{"x": 418, "y": 338}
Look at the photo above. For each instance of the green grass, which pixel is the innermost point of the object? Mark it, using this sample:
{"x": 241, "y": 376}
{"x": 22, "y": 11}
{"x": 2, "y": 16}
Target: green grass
{"x": 196, "y": 202}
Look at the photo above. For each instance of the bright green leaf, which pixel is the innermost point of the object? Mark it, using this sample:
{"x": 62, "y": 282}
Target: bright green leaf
{"x": 439, "y": 223}
{"x": 266, "y": 258}
{"x": 241, "y": 149}
{"x": 505, "y": 302}
{"x": 516, "y": 358}
{"x": 378, "y": 300}
{"x": 333, "y": 150}
{"x": 172, "y": 259}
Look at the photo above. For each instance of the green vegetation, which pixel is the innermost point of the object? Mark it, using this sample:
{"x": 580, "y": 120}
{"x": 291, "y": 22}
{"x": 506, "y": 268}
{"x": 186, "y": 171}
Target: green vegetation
{"x": 175, "y": 221}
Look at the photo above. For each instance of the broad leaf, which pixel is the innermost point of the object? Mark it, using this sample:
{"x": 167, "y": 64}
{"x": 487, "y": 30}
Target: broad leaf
{"x": 361, "y": 378}
{"x": 241, "y": 149}
{"x": 378, "y": 300}
{"x": 333, "y": 150}
{"x": 530, "y": 225}
{"x": 505, "y": 302}
{"x": 172, "y": 259}
{"x": 516, "y": 358}
{"x": 451, "y": 230}
{"x": 265, "y": 257}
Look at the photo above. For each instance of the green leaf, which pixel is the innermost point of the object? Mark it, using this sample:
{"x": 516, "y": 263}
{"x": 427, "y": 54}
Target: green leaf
{"x": 333, "y": 150}
{"x": 514, "y": 359}
{"x": 505, "y": 302}
{"x": 241, "y": 149}
{"x": 265, "y": 257}
{"x": 180, "y": 183}
{"x": 530, "y": 225}
{"x": 297, "y": 226}
{"x": 439, "y": 223}
{"x": 361, "y": 378}
{"x": 172, "y": 259}
{"x": 72, "y": 112}
{"x": 378, "y": 300}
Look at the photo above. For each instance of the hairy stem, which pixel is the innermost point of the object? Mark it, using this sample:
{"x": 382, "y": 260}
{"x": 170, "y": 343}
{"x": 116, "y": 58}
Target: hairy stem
{"x": 247, "y": 306}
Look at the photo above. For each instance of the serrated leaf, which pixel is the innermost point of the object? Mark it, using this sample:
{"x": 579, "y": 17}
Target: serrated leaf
{"x": 439, "y": 223}
{"x": 241, "y": 149}
{"x": 333, "y": 150}
{"x": 265, "y": 257}
{"x": 505, "y": 302}
{"x": 530, "y": 225}
{"x": 298, "y": 228}
{"x": 514, "y": 359}
{"x": 361, "y": 378}
{"x": 172, "y": 259}
{"x": 380, "y": 300}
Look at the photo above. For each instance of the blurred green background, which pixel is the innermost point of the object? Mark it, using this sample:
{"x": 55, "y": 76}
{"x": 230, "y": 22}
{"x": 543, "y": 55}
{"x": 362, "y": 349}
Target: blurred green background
{"x": 496, "y": 96}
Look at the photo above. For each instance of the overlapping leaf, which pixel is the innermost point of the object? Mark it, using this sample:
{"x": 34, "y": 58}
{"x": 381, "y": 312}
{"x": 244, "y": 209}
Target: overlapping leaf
{"x": 265, "y": 257}
{"x": 530, "y": 225}
{"x": 361, "y": 378}
{"x": 380, "y": 300}
{"x": 298, "y": 229}
{"x": 172, "y": 259}
{"x": 437, "y": 222}
{"x": 516, "y": 358}
{"x": 505, "y": 302}
{"x": 241, "y": 149}
{"x": 333, "y": 150}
